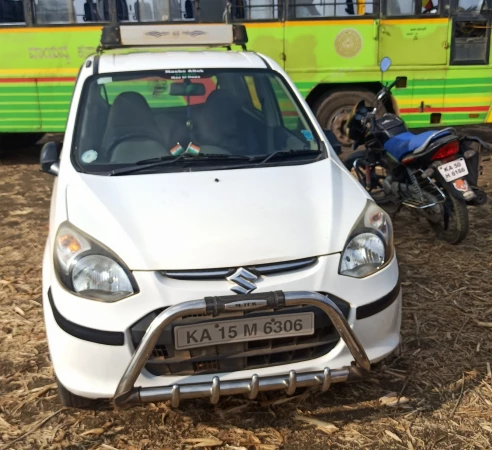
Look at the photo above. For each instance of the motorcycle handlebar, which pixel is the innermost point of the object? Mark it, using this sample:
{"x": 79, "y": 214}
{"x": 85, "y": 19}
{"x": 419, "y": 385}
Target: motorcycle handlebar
{"x": 392, "y": 85}
{"x": 386, "y": 89}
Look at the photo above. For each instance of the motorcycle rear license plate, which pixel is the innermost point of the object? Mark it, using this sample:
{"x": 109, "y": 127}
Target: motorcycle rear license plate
{"x": 453, "y": 170}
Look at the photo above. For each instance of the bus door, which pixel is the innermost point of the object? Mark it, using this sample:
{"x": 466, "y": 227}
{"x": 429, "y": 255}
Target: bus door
{"x": 468, "y": 94}
{"x": 331, "y": 41}
{"x": 263, "y": 20}
{"x": 414, "y": 35}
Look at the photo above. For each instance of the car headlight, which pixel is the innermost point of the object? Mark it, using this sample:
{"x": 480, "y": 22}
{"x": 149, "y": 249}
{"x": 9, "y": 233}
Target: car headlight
{"x": 370, "y": 245}
{"x": 89, "y": 269}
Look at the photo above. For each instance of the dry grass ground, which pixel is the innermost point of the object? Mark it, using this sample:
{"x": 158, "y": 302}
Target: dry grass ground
{"x": 442, "y": 375}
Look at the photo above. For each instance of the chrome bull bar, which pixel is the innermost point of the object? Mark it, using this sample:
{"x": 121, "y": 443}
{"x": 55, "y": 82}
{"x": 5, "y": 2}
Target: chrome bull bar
{"x": 127, "y": 394}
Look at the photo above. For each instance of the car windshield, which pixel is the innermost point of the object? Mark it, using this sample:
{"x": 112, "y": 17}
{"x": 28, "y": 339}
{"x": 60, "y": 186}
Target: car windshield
{"x": 221, "y": 117}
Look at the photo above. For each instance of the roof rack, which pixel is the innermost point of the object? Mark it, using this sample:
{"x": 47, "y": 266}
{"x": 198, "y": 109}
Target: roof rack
{"x": 151, "y": 35}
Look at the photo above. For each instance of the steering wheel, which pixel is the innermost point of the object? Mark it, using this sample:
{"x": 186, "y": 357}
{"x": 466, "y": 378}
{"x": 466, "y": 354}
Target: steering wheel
{"x": 127, "y": 137}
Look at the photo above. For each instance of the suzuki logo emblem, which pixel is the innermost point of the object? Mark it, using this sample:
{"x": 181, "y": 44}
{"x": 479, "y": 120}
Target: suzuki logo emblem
{"x": 244, "y": 281}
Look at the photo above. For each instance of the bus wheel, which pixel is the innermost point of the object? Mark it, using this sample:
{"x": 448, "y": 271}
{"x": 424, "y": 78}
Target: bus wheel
{"x": 333, "y": 108}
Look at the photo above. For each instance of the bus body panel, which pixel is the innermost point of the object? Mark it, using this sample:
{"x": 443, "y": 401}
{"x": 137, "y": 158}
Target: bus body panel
{"x": 39, "y": 66}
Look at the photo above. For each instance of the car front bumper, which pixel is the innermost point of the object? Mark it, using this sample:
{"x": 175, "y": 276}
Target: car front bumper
{"x": 99, "y": 362}
{"x": 127, "y": 393}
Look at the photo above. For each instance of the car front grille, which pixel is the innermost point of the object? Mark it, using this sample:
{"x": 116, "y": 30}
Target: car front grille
{"x": 166, "y": 360}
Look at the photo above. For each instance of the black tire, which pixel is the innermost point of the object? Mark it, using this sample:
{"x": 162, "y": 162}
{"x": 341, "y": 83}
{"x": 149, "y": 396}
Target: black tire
{"x": 74, "y": 401}
{"x": 454, "y": 226}
{"x": 332, "y": 109}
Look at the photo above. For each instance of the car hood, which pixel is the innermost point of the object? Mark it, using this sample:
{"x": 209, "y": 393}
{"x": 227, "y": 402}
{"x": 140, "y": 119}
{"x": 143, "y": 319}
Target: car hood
{"x": 218, "y": 219}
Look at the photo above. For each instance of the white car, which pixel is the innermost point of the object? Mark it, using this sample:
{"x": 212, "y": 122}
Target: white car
{"x": 204, "y": 237}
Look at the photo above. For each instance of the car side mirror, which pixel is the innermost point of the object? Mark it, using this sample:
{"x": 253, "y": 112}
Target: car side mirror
{"x": 49, "y": 159}
{"x": 332, "y": 139}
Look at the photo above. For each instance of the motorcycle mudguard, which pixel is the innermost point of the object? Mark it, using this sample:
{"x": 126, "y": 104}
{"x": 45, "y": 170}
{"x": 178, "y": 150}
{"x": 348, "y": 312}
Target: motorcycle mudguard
{"x": 461, "y": 188}
{"x": 473, "y": 163}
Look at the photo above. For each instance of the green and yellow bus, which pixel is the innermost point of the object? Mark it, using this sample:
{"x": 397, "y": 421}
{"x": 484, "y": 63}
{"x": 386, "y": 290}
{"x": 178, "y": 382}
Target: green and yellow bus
{"x": 331, "y": 49}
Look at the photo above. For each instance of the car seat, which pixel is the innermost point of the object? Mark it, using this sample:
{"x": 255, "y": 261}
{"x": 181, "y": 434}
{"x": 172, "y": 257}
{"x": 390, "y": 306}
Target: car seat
{"x": 131, "y": 116}
{"x": 222, "y": 123}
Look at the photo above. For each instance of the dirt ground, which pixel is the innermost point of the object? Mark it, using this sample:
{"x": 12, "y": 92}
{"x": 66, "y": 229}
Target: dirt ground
{"x": 442, "y": 375}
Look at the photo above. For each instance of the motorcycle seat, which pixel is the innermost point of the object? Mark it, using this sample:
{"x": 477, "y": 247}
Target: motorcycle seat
{"x": 402, "y": 144}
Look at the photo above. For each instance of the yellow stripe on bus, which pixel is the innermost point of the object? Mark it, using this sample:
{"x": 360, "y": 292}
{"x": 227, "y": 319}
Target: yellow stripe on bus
{"x": 323, "y": 23}
{"x": 448, "y": 100}
{"x": 276, "y": 24}
{"x": 489, "y": 116}
{"x": 39, "y": 72}
{"x": 265, "y": 25}
{"x": 48, "y": 29}
{"x": 411, "y": 21}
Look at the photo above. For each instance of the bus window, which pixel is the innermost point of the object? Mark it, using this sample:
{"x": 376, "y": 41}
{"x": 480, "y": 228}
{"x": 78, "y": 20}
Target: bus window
{"x": 332, "y": 8}
{"x": 238, "y": 10}
{"x": 410, "y": 8}
{"x": 469, "y": 6}
{"x": 54, "y": 11}
{"x": 90, "y": 11}
{"x": 258, "y": 9}
{"x": 153, "y": 10}
{"x": 11, "y": 12}
{"x": 75, "y": 11}
{"x": 430, "y": 7}
{"x": 400, "y": 8}
{"x": 470, "y": 41}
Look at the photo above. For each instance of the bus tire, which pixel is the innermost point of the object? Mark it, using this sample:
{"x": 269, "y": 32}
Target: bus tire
{"x": 333, "y": 108}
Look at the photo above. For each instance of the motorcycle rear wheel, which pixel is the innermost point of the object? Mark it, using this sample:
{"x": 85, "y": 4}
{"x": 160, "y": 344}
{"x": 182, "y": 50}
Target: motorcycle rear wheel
{"x": 454, "y": 224}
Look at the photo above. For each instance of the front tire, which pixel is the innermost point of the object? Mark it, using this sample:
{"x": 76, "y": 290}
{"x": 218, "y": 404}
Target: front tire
{"x": 454, "y": 224}
{"x": 75, "y": 401}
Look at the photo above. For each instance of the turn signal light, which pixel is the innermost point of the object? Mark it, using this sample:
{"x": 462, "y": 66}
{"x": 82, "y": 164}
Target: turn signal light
{"x": 446, "y": 151}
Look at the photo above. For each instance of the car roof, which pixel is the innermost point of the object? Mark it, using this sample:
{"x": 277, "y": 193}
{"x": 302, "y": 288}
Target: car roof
{"x": 157, "y": 60}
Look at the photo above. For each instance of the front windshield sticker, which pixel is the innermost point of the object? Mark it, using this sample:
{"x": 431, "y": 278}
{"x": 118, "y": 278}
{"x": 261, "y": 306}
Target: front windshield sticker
{"x": 307, "y": 135}
{"x": 177, "y": 150}
{"x": 193, "y": 149}
{"x": 104, "y": 80}
{"x": 180, "y": 74}
{"x": 89, "y": 156}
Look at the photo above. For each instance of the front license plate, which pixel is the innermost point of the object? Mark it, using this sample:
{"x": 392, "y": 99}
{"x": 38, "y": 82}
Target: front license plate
{"x": 453, "y": 170}
{"x": 239, "y": 330}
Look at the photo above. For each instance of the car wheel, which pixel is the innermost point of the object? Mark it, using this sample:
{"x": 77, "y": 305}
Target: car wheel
{"x": 75, "y": 401}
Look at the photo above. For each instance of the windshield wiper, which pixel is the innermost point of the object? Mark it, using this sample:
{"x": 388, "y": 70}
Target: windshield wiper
{"x": 287, "y": 153}
{"x": 260, "y": 160}
{"x": 217, "y": 156}
{"x": 149, "y": 163}
{"x": 166, "y": 160}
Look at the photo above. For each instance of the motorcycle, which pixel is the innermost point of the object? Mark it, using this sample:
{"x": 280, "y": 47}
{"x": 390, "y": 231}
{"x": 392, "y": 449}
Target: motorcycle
{"x": 434, "y": 173}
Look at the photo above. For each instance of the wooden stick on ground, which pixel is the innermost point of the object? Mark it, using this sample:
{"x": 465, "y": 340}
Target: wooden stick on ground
{"x": 34, "y": 428}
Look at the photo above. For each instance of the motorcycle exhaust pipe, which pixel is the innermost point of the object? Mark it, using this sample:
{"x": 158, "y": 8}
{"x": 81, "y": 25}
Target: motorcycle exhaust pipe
{"x": 394, "y": 188}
